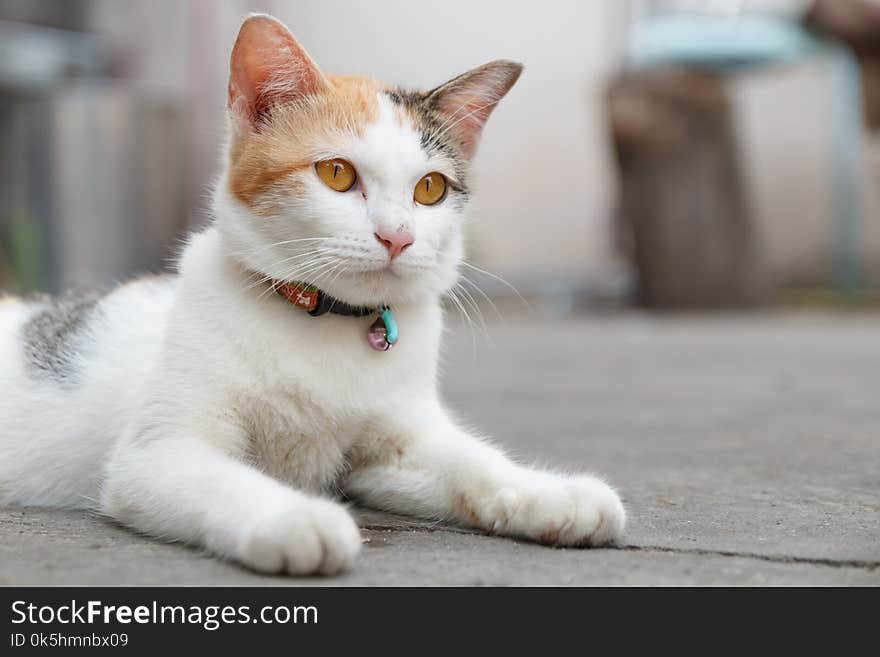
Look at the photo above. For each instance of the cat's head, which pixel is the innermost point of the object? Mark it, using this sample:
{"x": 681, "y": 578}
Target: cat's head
{"x": 344, "y": 182}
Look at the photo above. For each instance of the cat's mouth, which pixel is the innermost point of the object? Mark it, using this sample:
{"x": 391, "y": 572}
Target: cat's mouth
{"x": 377, "y": 274}
{"x": 388, "y": 269}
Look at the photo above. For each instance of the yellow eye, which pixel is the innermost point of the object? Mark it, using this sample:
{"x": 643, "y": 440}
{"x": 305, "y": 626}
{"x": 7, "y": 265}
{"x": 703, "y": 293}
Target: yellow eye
{"x": 430, "y": 189}
{"x": 337, "y": 174}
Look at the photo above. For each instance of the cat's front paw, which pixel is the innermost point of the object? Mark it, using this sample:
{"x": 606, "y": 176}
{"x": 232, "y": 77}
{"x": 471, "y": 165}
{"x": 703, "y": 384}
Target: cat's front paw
{"x": 312, "y": 537}
{"x": 561, "y": 511}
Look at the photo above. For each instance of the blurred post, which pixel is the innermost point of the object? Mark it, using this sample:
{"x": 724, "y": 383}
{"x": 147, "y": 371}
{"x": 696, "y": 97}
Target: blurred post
{"x": 857, "y": 24}
{"x": 683, "y": 215}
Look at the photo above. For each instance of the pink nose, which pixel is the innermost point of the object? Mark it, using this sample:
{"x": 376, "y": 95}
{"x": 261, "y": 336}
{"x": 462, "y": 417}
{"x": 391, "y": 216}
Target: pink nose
{"x": 394, "y": 241}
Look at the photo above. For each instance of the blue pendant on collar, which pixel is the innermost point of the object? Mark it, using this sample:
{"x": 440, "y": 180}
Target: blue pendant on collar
{"x": 383, "y": 332}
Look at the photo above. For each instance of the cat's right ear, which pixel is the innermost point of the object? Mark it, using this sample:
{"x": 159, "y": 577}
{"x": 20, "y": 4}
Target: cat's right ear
{"x": 267, "y": 68}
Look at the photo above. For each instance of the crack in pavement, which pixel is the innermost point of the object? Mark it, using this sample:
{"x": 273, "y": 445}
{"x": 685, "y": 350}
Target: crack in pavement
{"x": 869, "y": 566}
{"x": 383, "y": 522}
{"x": 415, "y": 526}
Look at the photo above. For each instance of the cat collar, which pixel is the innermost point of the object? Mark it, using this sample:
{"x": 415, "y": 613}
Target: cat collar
{"x": 382, "y": 334}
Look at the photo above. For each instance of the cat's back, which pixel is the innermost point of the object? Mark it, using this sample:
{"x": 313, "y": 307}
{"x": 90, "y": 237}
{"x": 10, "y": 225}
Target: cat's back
{"x": 51, "y": 341}
{"x": 72, "y": 369}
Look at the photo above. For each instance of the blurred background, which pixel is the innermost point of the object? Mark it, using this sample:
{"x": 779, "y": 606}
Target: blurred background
{"x": 668, "y": 154}
{"x": 656, "y": 155}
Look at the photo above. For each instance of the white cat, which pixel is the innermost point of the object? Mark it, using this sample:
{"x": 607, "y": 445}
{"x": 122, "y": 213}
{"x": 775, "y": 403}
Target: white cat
{"x": 222, "y": 406}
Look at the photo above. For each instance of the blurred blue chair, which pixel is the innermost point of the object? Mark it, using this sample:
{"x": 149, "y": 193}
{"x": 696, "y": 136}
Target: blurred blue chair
{"x": 730, "y": 41}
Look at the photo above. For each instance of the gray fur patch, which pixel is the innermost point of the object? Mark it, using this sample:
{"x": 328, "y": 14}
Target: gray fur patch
{"x": 431, "y": 125}
{"x": 52, "y": 336}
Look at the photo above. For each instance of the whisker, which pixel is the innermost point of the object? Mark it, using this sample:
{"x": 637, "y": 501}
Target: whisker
{"x": 469, "y": 299}
{"x": 488, "y": 299}
{"x": 341, "y": 270}
{"x": 266, "y": 247}
{"x": 499, "y": 279}
{"x": 461, "y": 309}
{"x": 304, "y": 271}
{"x": 315, "y": 256}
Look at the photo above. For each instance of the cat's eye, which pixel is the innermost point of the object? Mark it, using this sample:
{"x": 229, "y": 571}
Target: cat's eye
{"x": 430, "y": 189}
{"x": 337, "y": 174}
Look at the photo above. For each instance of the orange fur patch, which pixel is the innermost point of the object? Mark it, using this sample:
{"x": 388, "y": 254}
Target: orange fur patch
{"x": 550, "y": 537}
{"x": 465, "y": 513}
{"x": 289, "y": 142}
{"x": 388, "y": 450}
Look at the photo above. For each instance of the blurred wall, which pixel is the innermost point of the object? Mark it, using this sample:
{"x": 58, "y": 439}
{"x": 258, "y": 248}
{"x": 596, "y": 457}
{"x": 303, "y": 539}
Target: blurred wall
{"x": 789, "y": 143}
{"x": 544, "y": 176}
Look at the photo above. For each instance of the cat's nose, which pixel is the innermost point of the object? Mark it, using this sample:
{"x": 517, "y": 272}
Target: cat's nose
{"x": 394, "y": 240}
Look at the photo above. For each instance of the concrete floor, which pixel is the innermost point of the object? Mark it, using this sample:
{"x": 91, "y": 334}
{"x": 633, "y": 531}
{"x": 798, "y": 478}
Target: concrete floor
{"x": 747, "y": 450}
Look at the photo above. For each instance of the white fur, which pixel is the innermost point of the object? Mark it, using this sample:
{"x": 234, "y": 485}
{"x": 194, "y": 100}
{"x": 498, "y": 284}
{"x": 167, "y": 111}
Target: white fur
{"x": 212, "y": 412}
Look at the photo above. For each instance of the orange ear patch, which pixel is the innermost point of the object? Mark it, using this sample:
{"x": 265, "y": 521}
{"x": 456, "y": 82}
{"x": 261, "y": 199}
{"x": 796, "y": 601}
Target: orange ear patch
{"x": 268, "y": 66}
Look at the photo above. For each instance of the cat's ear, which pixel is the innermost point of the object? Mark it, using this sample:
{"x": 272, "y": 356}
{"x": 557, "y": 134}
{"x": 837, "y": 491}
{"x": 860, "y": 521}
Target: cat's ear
{"x": 466, "y": 101}
{"x": 268, "y": 67}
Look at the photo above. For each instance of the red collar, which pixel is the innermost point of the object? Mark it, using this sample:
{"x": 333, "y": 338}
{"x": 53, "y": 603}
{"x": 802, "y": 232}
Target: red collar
{"x": 318, "y": 302}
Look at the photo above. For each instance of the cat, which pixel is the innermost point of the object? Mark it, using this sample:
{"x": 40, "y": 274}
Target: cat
{"x": 291, "y": 362}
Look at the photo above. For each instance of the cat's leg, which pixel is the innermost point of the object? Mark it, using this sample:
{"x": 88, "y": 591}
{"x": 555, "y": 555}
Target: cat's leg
{"x": 190, "y": 490}
{"x": 433, "y": 469}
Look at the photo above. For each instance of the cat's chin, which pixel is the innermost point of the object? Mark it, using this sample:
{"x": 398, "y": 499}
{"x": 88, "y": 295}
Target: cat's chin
{"x": 377, "y": 287}
{"x": 390, "y": 285}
